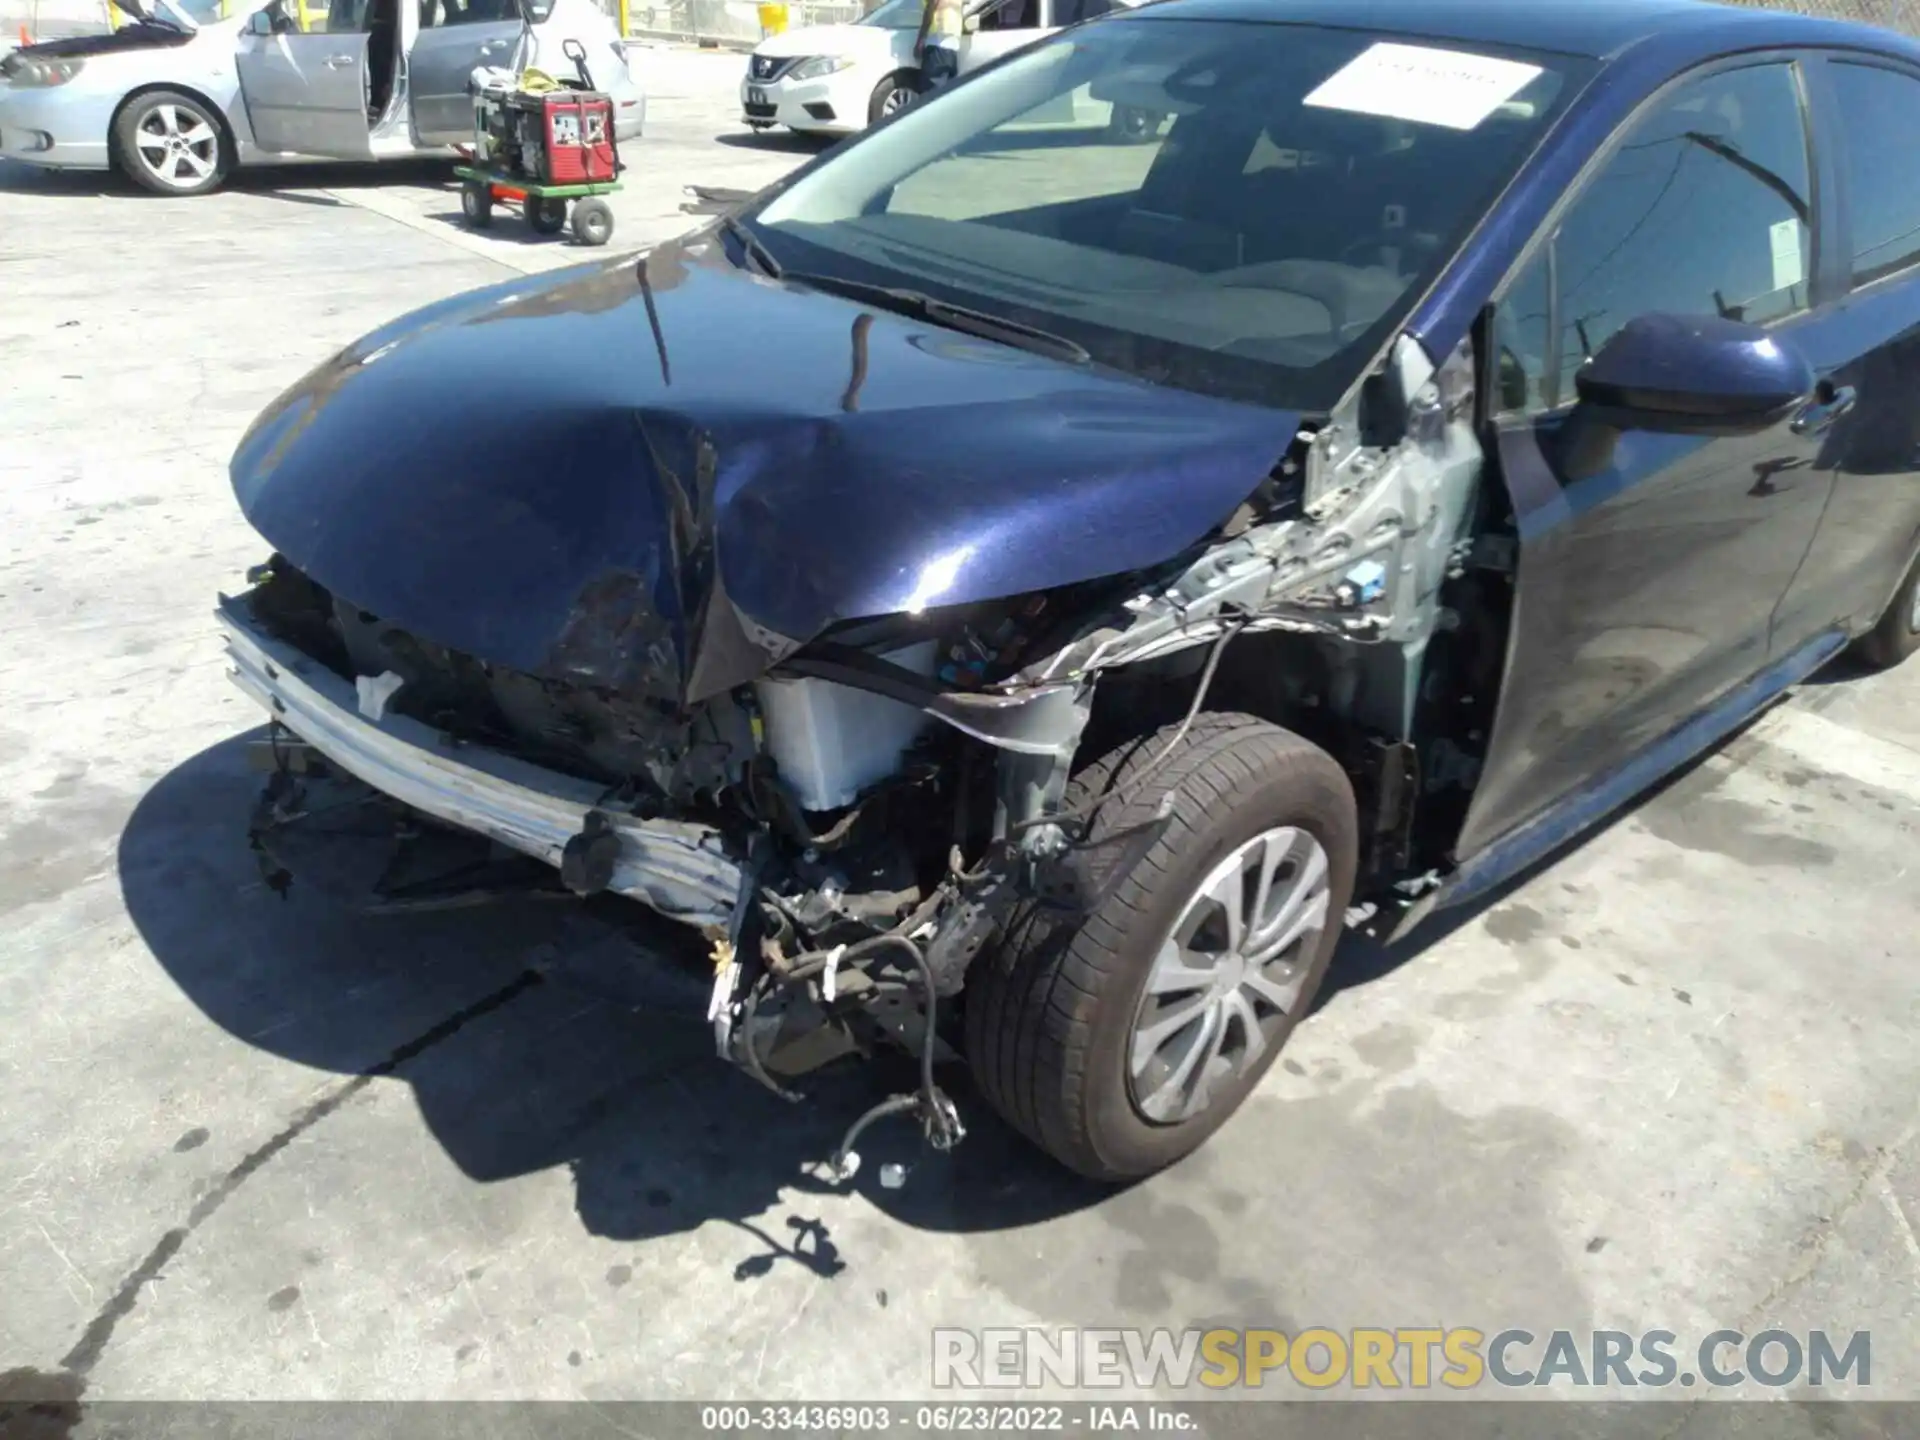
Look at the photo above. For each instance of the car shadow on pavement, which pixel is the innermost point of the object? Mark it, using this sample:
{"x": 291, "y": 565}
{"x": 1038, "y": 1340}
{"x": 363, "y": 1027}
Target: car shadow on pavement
{"x": 578, "y": 1038}
{"x": 791, "y": 142}
{"x": 270, "y": 181}
{"x": 510, "y": 225}
{"x": 541, "y": 1035}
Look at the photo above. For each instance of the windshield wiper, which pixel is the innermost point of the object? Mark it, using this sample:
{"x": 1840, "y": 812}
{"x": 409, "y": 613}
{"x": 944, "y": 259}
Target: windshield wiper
{"x": 753, "y": 245}
{"x": 953, "y": 317}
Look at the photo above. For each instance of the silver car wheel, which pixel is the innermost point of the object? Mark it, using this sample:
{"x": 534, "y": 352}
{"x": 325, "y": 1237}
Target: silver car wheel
{"x": 1913, "y": 617}
{"x": 176, "y": 146}
{"x": 898, "y": 98}
{"x": 1229, "y": 973}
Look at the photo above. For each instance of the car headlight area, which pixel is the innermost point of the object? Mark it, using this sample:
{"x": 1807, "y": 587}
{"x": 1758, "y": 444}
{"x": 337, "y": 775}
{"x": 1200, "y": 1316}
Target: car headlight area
{"x": 816, "y": 67}
{"x": 32, "y": 73}
{"x": 806, "y": 92}
{"x": 50, "y": 115}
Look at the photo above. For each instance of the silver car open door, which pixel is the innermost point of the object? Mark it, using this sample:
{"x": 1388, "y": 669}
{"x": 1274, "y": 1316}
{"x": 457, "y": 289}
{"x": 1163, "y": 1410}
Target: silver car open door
{"x": 306, "y": 94}
{"x": 456, "y": 38}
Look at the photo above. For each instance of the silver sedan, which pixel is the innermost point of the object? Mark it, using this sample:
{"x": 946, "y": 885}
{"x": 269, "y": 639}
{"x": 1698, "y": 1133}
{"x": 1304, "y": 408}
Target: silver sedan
{"x": 189, "y": 89}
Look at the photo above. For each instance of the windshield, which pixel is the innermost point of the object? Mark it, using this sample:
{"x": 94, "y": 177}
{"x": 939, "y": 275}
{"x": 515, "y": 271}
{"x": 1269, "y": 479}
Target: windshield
{"x": 895, "y": 15}
{"x": 1239, "y": 208}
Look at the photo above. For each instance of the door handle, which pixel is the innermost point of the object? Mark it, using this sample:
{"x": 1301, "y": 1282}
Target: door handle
{"x": 337, "y": 62}
{"x": 494, "y": 45}
{"x": 1828, "y": 404}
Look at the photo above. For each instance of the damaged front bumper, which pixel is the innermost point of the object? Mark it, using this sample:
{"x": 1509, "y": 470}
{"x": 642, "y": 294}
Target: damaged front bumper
{"x": 678, "y": 868}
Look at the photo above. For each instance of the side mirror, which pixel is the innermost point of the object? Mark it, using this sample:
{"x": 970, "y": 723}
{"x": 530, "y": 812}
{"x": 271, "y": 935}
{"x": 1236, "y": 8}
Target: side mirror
{"x": 1686, "y": 374}
{"x": 260, "y": 22}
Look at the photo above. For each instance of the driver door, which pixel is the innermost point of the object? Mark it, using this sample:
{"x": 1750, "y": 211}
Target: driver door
{"x": 305, "y": 92}
{"x": 998, "y": 28}
{"x": 1649, "y": 577}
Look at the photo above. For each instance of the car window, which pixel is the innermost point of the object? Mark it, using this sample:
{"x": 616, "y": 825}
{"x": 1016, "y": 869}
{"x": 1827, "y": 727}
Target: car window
{"x": 285, "y": 17}
{"x": 1011, "y": 15}
{"x": 437, "y": 13}
{"x": 1523, "y": 340}
{"x": 1072, "y": 12}
{"x": 1880, "y": 110}
{"x": 1702, "y": 210}
{"x": 1243, "y": 209}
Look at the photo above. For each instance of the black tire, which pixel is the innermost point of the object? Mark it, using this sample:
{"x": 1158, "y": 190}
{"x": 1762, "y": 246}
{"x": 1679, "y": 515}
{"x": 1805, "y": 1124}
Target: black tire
{"x": 476, "y": 203}
{"x": 169, "y": 143}
{"x": 547, "y": 215}
{"x": 894, "y": 93}
{"x": 1898, "y": 634}
{"x": 1050, "y": 1015}
{"x": 592, "y": 221}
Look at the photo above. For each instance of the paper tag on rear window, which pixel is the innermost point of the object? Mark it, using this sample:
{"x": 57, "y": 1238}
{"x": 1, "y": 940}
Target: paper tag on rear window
{"x": 1431, "y": 87}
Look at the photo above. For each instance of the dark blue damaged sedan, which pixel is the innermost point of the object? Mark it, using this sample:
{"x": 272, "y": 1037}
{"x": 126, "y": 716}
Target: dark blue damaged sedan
{"x": 1012, "y": 589}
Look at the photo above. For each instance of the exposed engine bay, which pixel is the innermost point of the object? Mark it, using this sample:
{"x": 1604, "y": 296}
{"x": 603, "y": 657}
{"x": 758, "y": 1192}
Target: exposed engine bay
{"x": 850, "y": 830}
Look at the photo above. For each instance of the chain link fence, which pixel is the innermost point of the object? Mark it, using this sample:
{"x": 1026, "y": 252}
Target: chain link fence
{"x": 741, "y": 23}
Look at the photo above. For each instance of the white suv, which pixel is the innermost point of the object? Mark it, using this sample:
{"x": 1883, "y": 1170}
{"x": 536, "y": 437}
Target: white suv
{"x": 836, "y": 79}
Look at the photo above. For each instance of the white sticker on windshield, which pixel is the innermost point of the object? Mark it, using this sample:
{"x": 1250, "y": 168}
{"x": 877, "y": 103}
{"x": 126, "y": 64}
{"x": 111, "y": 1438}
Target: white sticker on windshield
{"x": 1789, "y": 265}
{"x": 1431, "y": 87}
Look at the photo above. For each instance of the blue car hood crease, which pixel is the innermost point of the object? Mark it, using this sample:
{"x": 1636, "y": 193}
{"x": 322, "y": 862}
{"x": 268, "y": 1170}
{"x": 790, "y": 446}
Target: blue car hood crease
{"x": 666, "y": 487}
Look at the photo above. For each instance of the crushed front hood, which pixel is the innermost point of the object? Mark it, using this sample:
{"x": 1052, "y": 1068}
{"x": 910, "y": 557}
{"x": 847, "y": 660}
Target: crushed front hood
{"x": 667, "y": 486}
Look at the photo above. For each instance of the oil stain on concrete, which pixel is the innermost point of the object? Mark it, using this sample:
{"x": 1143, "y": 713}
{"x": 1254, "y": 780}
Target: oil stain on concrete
{"x": 1364, "y": 1205}
{"x": 59, "y": 843}
{"x": 1735, "y": 829}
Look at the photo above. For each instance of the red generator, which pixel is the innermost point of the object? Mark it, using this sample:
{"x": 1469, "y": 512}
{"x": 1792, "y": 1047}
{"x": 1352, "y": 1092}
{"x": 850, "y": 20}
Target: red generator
{"x": 563, "y": 137}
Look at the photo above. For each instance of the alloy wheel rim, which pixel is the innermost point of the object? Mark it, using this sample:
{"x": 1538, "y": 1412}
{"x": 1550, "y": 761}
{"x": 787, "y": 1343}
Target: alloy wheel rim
{"x": 176, "y": 146}
{"x": 1229, "y": 974}
{"x": 1913, "y": 615}
{"x": 898, "y": 98}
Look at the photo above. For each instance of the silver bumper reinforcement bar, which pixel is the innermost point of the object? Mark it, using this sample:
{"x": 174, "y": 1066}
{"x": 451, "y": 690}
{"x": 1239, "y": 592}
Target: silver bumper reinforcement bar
{"x": 678, "y": 868}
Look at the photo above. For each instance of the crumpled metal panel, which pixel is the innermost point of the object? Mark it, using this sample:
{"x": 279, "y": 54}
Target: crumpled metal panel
{"x": 664, "y": 477}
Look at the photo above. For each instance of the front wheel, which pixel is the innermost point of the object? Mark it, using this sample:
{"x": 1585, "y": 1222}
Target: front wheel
{"x": 592, "y": 222}
{"x": 171, "y": 144}
{"x": 893, "y": 94}
{"x": 547, "y": 215}
{"x": 1121, "y": 1044}
{"x": 1898, "y": 634}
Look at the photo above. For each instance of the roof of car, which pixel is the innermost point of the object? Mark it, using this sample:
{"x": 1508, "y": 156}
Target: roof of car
{"x": 1571, "y": 27}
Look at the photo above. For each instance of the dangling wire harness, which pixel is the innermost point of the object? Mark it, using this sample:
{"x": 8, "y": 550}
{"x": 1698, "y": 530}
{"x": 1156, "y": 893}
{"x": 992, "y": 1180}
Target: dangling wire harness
{"x": 938, "y": 1116}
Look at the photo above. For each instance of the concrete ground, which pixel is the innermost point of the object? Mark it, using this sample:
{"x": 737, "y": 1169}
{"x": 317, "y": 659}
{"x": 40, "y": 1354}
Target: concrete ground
{"x": 254, "y": 1147}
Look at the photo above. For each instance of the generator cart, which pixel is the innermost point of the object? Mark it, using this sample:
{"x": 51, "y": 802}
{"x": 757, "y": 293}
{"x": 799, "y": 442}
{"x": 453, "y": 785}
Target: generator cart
{"x": 544, "y": 142}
